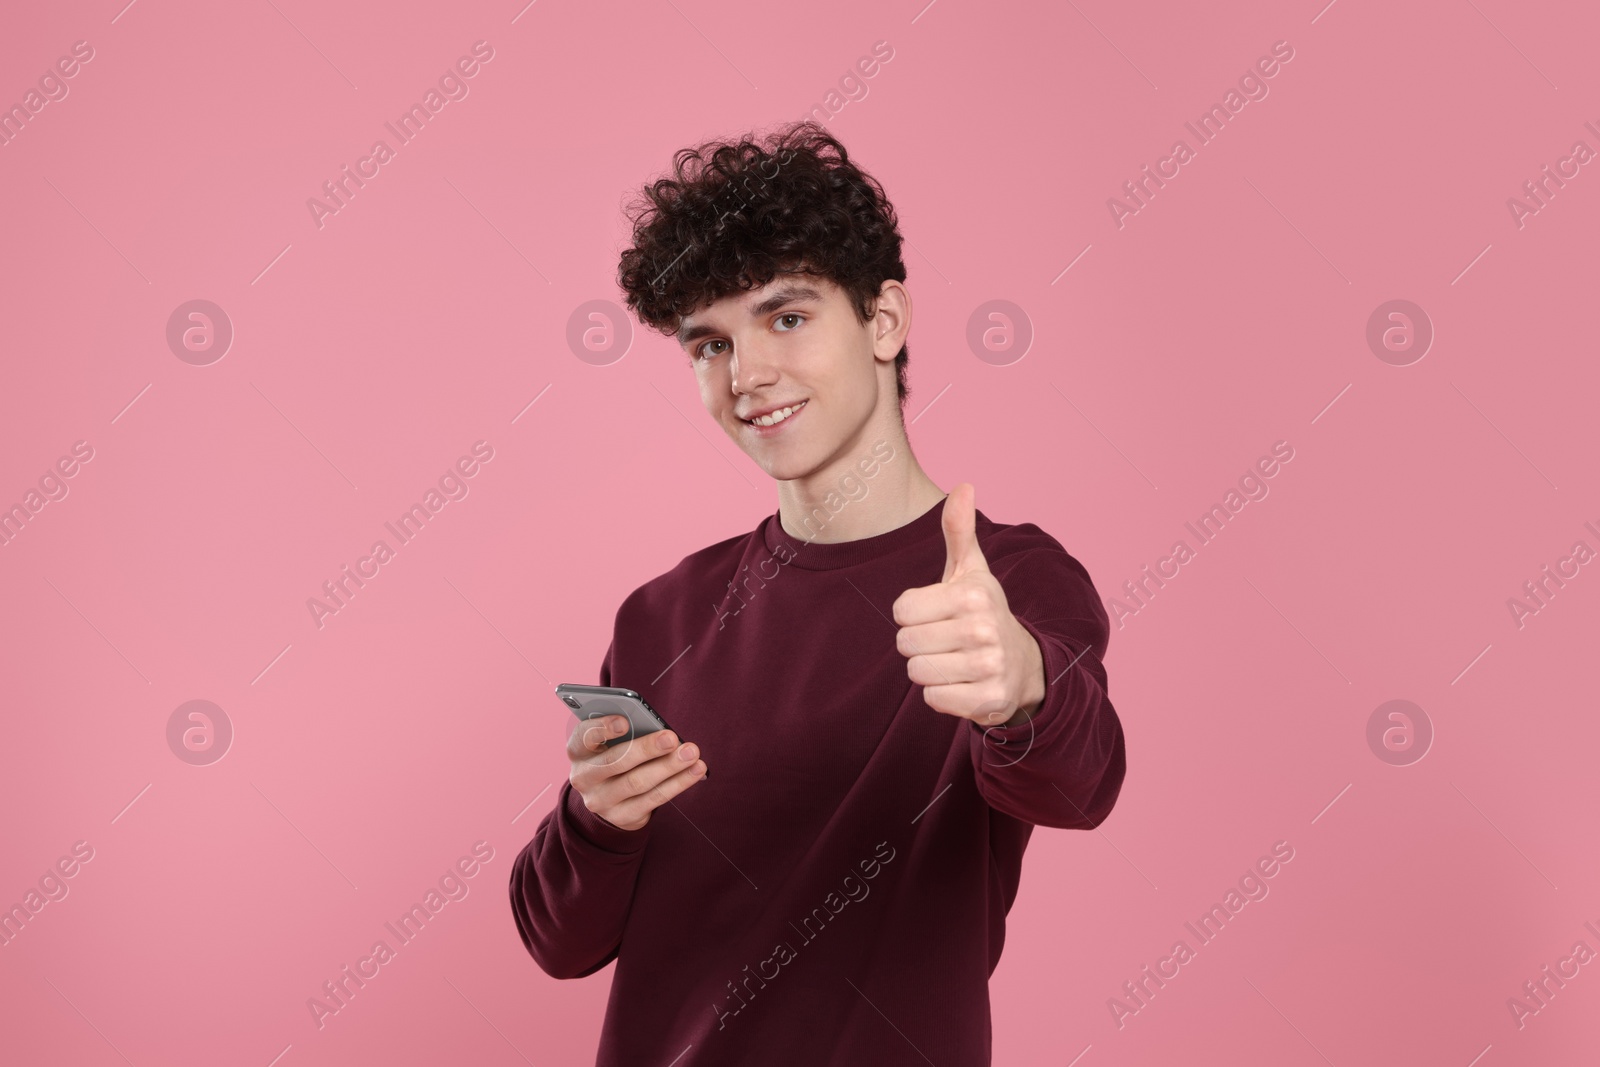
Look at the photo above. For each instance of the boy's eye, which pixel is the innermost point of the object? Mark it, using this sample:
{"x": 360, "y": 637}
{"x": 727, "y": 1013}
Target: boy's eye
{"x": 703, "y": 351}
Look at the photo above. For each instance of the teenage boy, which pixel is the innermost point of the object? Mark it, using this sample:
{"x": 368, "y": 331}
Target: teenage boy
{"x": 894, "y": 688}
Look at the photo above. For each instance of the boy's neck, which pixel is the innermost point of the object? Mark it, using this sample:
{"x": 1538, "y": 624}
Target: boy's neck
{"x": 841, "y": 503}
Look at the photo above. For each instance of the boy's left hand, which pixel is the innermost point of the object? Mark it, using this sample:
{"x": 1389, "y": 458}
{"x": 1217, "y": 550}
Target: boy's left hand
{"x": 963, "y": 646}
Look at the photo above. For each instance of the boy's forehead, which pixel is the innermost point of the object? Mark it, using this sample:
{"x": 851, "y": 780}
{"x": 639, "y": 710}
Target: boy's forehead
{"x": 782, "y": 289}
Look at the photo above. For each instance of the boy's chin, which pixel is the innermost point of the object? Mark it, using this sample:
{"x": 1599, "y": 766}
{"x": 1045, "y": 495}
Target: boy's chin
{"x": 785, "y": 468}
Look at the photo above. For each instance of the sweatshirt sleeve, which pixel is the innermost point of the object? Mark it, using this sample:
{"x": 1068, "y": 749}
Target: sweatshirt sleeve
{"x": 1064, "y": 767}
{"x": 572, "y": 885}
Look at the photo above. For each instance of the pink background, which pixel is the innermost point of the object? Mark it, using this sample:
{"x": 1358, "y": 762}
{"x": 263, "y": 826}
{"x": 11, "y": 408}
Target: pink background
{"x": 369, "y": 353}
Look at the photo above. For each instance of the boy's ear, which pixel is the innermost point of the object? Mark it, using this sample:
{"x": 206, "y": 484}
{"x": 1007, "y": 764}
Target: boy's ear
{"x": 896, "y": 301}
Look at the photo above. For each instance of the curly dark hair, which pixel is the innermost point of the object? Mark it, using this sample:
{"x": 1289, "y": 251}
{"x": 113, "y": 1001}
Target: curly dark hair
{"x": 735, "y": 214}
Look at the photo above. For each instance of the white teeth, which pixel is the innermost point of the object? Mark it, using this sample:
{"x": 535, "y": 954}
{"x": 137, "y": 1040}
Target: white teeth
{"x": 777, "y": 416}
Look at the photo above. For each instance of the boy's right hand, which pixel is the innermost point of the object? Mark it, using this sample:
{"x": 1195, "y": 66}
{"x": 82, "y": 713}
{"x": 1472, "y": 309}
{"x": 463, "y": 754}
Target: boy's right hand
{"x": 625, "y": 783}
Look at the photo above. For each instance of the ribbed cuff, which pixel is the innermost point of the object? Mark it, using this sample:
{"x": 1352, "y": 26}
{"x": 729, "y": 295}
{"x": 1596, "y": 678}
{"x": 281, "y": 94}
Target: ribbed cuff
{"x": 594, "y": 830}
{"x": 1008, "y": 743}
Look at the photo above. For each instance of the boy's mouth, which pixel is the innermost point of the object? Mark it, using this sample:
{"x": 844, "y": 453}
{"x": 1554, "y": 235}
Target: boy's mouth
{"x": 773, "y": 417}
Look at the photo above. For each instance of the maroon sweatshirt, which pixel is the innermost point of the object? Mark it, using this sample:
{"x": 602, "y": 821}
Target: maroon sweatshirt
{"x": 835, "y": 892}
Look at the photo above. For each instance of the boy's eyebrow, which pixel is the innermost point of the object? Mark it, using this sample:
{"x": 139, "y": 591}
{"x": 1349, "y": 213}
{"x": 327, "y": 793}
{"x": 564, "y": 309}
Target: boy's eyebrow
{"x": 787, "y": 294}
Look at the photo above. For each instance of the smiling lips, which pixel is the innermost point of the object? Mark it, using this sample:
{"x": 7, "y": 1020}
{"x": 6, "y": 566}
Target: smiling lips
{"x": 776, "y": 416}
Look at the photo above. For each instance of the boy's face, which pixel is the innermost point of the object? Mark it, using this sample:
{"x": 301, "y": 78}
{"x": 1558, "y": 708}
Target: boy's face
{"x": 794, "y": 341}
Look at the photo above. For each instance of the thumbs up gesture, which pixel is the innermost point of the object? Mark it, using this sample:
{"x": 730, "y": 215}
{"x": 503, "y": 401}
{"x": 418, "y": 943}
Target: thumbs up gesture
{"x": 961, "y": 642}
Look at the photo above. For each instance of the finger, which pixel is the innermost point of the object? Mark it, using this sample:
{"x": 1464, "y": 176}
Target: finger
{"x": 640, "y": 808}
{"x": 590, "y": 735}
{"x": 950, "y": 668}
{"x": 979, "y": 701}
{"x": 947, "y": 635}
{"x": 590, "y": 770}
{"x": 660, "y": 780}
{"x": 960, "y": 521}
{"x": 642, "y": 777}
{"x": 932, "y": 603}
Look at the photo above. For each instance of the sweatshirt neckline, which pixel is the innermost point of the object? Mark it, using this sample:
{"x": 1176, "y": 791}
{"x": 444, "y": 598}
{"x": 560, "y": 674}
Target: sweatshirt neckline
{"x": 832, "y": 555}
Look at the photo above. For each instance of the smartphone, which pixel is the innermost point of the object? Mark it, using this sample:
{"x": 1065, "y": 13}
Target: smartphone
{"x": 593, "y": 701}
